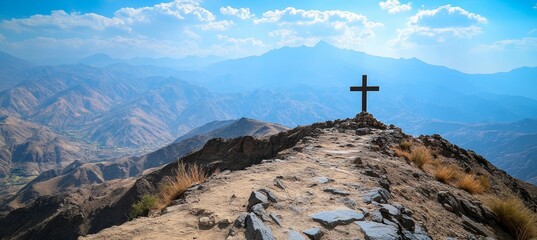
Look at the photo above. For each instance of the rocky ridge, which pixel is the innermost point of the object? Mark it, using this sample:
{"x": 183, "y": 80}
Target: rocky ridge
{"x": 332, "y": 180}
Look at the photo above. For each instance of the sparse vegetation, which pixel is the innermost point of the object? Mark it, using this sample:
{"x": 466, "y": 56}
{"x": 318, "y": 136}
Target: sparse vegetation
{"x": 470, "y": 184}
{"x": 517, "y": 218}
{"x": 445, "y": 173}
{"x": 142, "y": 207}
{"x": 400, "y": 153}
{"x": 484, "y": 181}
{"x": 420, "y": 156}
{"x": 184, "y": 178}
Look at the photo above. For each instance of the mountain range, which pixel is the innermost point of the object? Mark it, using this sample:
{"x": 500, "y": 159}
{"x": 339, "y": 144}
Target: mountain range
{"x": 125, "y": 110}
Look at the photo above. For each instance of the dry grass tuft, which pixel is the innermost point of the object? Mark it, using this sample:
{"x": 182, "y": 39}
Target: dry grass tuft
{"x": 445, "y": 173}
{"x": 405, "y": 145}
{"x": 185, "y": 177}
{"x": 400, "y": 153}
{"x": 511, "y": 212}
{"x": 468, "y": 183}
{"x": 420, "y": 156}
{"x": 484, "y": 181}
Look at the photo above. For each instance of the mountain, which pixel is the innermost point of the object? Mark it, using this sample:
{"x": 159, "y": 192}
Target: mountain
{"x": 341, "y": 177}
{"x": 78, "y": 174}
{"x": 187, "y": 63}
{"x": 28, "y": 149}
{"x": 124, "y": 110}
{"x": 509, "y": 146}
{"x": 10, "y": 70}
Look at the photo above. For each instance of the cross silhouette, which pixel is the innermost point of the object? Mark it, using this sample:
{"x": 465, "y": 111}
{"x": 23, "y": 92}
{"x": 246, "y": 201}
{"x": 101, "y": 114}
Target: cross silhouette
{"x": 364, "y": 89}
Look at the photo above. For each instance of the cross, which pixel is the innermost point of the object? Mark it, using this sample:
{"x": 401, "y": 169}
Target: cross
{"x": 364, "y": 88}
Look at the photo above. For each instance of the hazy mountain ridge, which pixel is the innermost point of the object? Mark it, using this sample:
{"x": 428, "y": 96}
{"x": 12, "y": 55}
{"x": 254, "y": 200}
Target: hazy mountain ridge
{"x": 79, "y": 174}
{"x": 122, "y": 106}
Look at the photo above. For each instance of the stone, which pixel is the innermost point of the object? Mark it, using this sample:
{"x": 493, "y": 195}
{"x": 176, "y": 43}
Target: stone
{"x": 206, "y": 223}
{"x": 384, "y": 184}
{"x": 276, "y": 219}
{"x": 257, "y": 197}
{"x": 376, "y": 216}
{"x": 334, "y": 218}
{"x": 256, "y": 229}
{"x": 472, "y": 210}
{"x": 314, "y": 233}
{"x": 371, "y": 173}
{"x": 391, "y": 210}
{"x": 336, "y": 191}
{"x": 240, "y": 221}
{"x": 294, "y": 235}
{"x": 407, "y": 223}
{"x": 322, "y": 180}
{"x": 279, "y": 183}
{"x": 379, "y": 195}
{"x": 224, "y": 223}
{"x": 271, "y": 197}
{"x": 474, "y": 227}
{"x": 363, "y": 131}
{"x": 358, "y": 161}
{"x": 378, "y": 231}
{"x": 348, "y": 202}
{"x": 449, "y": 202}
{"x": 259, "y": 210}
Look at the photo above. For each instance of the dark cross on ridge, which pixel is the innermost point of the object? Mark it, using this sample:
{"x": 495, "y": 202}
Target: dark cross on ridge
{"x": 364, "y": 89}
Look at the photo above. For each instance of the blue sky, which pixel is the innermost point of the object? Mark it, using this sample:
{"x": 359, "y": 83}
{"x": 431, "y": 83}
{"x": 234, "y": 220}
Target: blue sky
{"x": 470, "y": 36}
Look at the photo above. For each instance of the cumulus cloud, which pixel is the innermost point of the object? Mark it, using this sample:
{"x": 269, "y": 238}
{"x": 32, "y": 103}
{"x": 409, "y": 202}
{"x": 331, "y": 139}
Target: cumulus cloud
{"x": 242, "y": 13}
{"x": 306, "y": 27}
{"x": 394, "y": 6}
{"x": 182, "y": 27}
{"x": 439, "y": 25}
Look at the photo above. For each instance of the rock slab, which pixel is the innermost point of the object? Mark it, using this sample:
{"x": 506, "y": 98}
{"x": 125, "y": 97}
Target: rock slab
{"x": 334, "y": 218}
{"x": 378, "y": 231}
{"x": 256, "y": 229}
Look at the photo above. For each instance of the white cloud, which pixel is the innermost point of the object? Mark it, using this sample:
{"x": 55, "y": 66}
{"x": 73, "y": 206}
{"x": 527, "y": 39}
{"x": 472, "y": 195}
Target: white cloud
{"x": 218, "y": 25}
{"x": 241, "y": 41}
{"x": 438, "y": 26}
{"x": 394, "y": 6}
{"x": 2, "y": 38}
{"x": 527, "y": 43}
{"x": 61, "y": 20}
{"x": 242, "y": 13}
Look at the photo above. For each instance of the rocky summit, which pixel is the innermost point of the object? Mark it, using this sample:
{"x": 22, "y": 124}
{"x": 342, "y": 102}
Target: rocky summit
{"x": 343, "y": 179}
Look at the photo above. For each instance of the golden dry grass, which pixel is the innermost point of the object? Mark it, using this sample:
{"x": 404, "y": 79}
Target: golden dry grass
{"x": 420, "y": 156}
{"x": 400, "y": 153}
{"x": 445, "y": 173}
{"x": 405, "y": 145}
{"x": 511, "y": 212}
{"x": 185, "y": 177}
{"x": 468, "y": 183}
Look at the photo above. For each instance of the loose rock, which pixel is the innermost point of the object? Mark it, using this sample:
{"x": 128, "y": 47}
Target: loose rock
{"x": 313, "y": 233}
{"x": 256, "y": 229}
{"x": 378, "y": 231}
{"x": 334, "y": 218}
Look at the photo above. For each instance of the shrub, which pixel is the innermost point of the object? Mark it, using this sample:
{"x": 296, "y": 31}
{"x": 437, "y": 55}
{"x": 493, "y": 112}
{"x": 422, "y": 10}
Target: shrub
{"x": 420, "y": 156}
{"x": 513, "y": 215}
{"x": 468, "y": 183}
{"x": 445, "y": 173}
{"x": 142, "y": 207}
{"x": 405, "y": 145}
{"x": 184, "y": 178}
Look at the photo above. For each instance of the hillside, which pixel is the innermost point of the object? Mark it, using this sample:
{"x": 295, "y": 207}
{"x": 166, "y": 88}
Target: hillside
{"x": 79, "y": 174}
{"x": 341, "y": 177}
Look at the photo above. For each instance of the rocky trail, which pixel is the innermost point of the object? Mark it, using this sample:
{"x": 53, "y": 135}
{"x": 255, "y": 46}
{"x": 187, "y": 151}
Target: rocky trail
{"x": 339, "y": 183}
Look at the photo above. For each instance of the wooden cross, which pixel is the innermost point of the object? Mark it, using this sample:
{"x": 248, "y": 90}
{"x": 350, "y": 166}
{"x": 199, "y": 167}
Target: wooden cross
{"x": 364, "y": 89}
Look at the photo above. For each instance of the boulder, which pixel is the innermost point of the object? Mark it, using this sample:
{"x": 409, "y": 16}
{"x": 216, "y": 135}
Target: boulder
{"x": 256, "y": 229}
{"x": 334, "y": 218}
{"x": 257, "y": 197}
{"x": 378, "y": 231}
{"x": 379, "y": 195}
{"x": 313, "y": 233}
{"x": 271, "y": 197}
{"x": 206, "y": 223}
